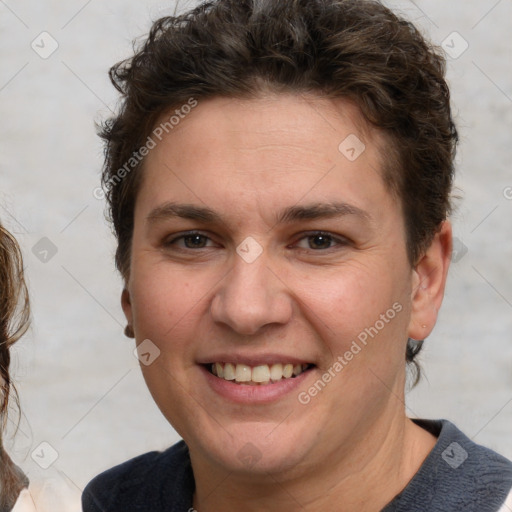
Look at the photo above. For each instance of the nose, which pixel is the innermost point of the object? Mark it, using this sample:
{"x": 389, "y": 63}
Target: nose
{"x": 251, "y": 296}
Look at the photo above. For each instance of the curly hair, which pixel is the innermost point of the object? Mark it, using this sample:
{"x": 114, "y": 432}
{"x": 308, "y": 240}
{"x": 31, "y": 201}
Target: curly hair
{"x": 14, "y": 321}
{"x": 358, "y": 50}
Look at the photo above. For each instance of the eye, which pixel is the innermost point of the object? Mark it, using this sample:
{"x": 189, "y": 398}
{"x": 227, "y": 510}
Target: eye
{"x": 191, "y": 240}
{"x": 316, "y": 241}
{"x": 321, "y": 241}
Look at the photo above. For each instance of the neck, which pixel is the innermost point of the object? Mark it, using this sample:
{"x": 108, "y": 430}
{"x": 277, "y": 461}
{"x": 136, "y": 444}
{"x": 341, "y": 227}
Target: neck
{"x": 364, "y": 478}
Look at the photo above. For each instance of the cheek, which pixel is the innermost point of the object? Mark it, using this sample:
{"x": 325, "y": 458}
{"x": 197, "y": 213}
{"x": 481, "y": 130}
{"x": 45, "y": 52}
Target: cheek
{"x": 167, "y": 310}
{"x": 351, "y": 295}
{"x": 163, "y": 302}
{"x": 358, "y": 311}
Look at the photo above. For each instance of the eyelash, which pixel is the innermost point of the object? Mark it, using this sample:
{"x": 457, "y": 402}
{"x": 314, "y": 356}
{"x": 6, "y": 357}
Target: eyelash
{"x": 340, "y": 240}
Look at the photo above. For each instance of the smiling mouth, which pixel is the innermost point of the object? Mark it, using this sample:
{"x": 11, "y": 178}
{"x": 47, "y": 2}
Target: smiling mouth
{"x": 261, "y": 375}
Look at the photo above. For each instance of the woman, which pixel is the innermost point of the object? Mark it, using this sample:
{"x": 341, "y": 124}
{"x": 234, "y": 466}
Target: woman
{"x": 14, "y": 317}
{"x": 279, "y": 181}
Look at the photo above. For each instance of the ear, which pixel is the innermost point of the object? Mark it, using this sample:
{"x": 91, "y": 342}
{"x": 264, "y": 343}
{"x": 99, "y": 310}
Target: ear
{"x": 428, "y": 283}
{"x": 126, "y": 304}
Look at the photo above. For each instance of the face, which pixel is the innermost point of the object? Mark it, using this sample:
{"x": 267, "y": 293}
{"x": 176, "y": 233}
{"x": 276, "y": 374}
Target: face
{"x": 265, "y": 245}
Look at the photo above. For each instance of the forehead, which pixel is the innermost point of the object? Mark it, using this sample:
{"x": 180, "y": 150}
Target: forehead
{"x": 275, "y": 149}
{"x": 303, "y": 120}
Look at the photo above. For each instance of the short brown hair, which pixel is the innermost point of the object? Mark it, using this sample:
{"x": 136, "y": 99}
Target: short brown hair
{"x": 353, "y": 49}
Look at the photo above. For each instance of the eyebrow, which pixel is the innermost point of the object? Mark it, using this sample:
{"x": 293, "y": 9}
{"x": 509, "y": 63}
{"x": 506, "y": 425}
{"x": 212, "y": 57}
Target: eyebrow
{"x": 287, "y": 216}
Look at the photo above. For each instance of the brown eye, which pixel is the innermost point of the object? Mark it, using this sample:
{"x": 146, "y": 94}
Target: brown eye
{"x": 321, "y": 241}
{"x": 194, "y": 241}
{"x": 189, "y": 241}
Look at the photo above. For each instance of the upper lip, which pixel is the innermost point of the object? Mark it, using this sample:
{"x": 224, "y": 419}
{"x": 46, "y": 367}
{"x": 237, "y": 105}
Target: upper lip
{"x": 252, "y": 359}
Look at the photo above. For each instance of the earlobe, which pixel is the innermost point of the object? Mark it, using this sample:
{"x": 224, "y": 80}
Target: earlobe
{"x": 428, "y": 283}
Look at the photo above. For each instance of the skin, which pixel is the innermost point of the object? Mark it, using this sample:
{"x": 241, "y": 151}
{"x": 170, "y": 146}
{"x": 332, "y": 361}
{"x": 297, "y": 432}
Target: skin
{"x": 352, "y": 445}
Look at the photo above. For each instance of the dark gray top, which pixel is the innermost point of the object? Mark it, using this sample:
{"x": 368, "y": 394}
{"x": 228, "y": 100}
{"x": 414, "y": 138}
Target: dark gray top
{"x": 457, "y": 475}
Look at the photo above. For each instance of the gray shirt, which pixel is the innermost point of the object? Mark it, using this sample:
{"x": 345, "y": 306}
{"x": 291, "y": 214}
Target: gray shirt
{"x": 458, "y": 475}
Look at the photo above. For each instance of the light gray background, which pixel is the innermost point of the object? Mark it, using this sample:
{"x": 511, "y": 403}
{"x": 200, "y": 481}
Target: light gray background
{"x": 80, "y": 386}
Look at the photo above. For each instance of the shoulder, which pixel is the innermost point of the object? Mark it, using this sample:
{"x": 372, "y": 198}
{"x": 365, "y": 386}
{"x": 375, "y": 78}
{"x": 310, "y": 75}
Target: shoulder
{"x": 458, "y": 474}
{"x": 465, "y": 459}
{"x": 153, "y": 481}
{"x": 24, "y": 503}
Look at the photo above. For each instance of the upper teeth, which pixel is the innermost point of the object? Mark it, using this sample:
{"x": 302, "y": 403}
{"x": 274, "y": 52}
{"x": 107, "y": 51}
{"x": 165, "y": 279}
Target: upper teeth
{"x": 261, "y": 374}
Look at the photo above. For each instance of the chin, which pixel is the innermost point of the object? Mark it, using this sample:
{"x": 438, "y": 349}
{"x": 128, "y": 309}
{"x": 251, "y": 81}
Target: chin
{"x": 253, "y": 447}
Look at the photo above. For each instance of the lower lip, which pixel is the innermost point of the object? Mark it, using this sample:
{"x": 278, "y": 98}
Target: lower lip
{"x": 247, "y": 394}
